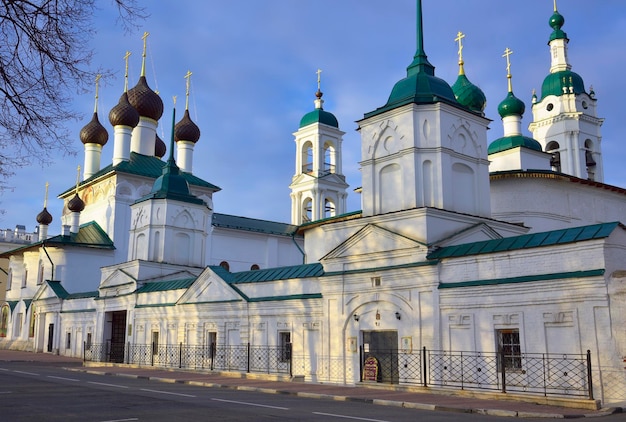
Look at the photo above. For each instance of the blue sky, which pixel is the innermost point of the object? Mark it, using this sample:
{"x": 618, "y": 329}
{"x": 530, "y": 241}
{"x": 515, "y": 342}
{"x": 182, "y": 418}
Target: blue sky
{"x": 254, "y": 64}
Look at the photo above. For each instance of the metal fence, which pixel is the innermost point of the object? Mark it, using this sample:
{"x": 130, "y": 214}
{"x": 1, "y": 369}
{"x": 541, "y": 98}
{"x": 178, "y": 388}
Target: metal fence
{"x": 244, "y": 358}
{"x": 537, "y": 373}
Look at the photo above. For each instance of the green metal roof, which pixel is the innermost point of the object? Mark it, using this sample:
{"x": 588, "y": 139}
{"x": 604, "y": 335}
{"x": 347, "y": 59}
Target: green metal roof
{"x": 27, "y": 302}
{"x": 83, "y": 295}
{"x": 510, "y": 142}
{"x": 469, "y": 95}
{"x": 534, "y": 240}
{"x": 253, "y": 225}
{"x": 12, "y": 304}
{"x": 279, "y": 273}
{"x": 58, "y": 289}
{"x": 319, "y": 116}
{"x": 143, "y": 165}
{"x": 523, "y": 279}
{"x": 90, "y": 235}
{"x": 558, "y": 82}
{"x": 162, "y": 286}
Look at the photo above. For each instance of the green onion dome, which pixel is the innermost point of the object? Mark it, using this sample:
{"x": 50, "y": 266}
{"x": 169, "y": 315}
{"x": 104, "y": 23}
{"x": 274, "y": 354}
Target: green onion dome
{"x": 562, "y": 82}
{"x": 186, "y": 129}
{"x": 123, "y": 114}
{"x": 145, "y": 100}
{"x": 469, "y": 95}
{"x": 319, "y": 115}
{"x": 511, "y": 106}
{"x": 510, "y": 142}
{"x": 556, "y": 23}
{"x": 93, "y": 132}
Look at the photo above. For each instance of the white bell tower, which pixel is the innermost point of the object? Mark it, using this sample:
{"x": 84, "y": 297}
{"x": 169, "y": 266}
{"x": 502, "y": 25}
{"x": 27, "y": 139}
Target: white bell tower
{"x": 318, "y": 187}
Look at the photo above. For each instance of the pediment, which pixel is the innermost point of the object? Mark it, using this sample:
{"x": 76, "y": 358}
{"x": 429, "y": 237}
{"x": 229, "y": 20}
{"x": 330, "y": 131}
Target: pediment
{"x": 209, "y": 287}
{"x": 373, "y": 240}
{"x": 475, "y": 233}
{"x": 117, "y": 283}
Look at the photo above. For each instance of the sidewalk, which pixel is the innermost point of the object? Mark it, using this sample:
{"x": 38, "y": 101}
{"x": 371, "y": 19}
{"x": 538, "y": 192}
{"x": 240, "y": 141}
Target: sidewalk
{"x": 496, "y": 404}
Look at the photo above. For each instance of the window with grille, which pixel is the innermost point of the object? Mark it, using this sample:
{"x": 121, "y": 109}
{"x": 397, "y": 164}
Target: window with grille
{"x": 509, "y": 349}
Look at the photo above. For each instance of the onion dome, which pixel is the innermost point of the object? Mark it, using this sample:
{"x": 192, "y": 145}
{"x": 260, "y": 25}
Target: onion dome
{"x": 145, "y": 100}
{"x": 319, "y": 115}
{"x": 562, "y": 82}
{"x": 76, "y": 204}
{"x": 469, "y": 95}
{"x": 511, "y": 106}
{"x": 93, "y": 132}
{"x": 124, "y": 114}
{"x": 510, "y": 142}
{"x": 186, "y": 129}
{"x": 556, "y": 23}
{"x": 44, "y": 217}
{"x": 159, "y": 147}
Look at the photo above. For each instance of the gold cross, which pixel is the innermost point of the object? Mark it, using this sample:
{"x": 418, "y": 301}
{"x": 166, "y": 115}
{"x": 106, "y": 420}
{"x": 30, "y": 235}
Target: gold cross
{"x": 188, "y": 77}
{"x": 459, "y": 39}
{"x": 45, "y": 199}
{"x": 98, "y": 77}
{"x": 507, "y": 53}
{"x": 143, "y": 56}
{"x": 555, "y": 5}
{"x": 77, "y": 178}
{"x": 319, "y": 78}
{"x": 126, "y": 56}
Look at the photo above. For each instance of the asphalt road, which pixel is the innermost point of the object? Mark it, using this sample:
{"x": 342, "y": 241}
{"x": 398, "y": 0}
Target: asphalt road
{"x": 33, "y": 391}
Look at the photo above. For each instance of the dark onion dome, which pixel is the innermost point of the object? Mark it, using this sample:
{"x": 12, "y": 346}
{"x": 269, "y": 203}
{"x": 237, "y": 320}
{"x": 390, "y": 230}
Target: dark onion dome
{"x": 44, "y": 217}
{"x": 469, "y": 95}
{"x": 159, "y": 147}
{"x": 319, "y": 115}
{"x": 186, "y": 129}
{"x": 511, "y": 106}
{"x": 562, "y": 82}
{"x": 123, "y": 114}
{"x": 145, "y": 100}
{"x": 510, "y": 142}
{"x": 93, "y": 132}
{"x": 556, "y": 23}
{"x": 76, "y": 204}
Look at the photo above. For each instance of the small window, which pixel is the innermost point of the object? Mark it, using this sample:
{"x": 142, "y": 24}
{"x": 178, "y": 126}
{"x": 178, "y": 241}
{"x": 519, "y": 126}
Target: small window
{"x": 9, "y": 279}
{"x": 509, "y": 349}
{"x": 225, "y": 265}
{"x": 68, "y": 340}
{"x": 24, "y": 280}
{"x": 285, "y": 345}
{"x": 254, "y": 267}
{"x": 40, "y": 275}
{"x": 4, "y": 320}
{"x": 375, "y": 281}
{"x": 88, "y": 342}
{"x": 155, "y": 343}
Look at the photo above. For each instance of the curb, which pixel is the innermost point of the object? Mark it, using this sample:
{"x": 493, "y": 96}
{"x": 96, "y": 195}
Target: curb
{"x": 380, "y": 402}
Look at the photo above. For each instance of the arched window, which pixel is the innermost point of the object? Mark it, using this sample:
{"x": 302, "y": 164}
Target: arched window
{"x": 307, "y": 210}
{"x": 329, "y": 208}
{"x": 307, "y": 158}
{"x": 254, "y": 267}
{"x": 225, "y": 265}
{"x": 589, "y": 161}
{"x": 25, "y": 279}
{"x": 9, "y": 279}
{"x": 40, "y": 273}
{"x": 4, "y": 320}
{"x": 555, "y": 161}
{"x": 329, "y": 158}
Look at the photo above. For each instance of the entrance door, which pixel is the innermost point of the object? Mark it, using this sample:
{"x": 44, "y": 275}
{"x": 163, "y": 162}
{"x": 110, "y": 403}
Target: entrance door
{"x": 118, "y": 336}
{"x": 383, "y": 345}
{"x": 50, "y": 337}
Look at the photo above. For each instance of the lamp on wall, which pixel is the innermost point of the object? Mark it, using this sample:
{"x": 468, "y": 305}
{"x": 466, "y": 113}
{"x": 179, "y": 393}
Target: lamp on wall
{"x": 356, "y": 317}
{"x": 398, "y": 316}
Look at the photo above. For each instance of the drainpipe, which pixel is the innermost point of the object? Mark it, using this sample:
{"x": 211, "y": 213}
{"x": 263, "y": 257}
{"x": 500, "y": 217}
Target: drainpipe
{"x": 293, "y": 239}
{"x": 43, "y": 245}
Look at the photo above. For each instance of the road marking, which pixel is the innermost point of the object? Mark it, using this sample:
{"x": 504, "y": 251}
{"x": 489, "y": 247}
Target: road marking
{"x": 122, "y": 420}
{"x": 6, "y": 392}
{"x": 107, "y": 385}
{"x": 167, "y": 392}
{"x": 252, "y": 404}
{"x": 27, "y": 373}
{"x": 349, "y": 417}
{"x": 4, "y": 369}
{"x": 62, "y": 378}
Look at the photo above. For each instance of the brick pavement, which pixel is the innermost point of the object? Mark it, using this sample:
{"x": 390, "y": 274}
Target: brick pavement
{"x": 428, "y": 399}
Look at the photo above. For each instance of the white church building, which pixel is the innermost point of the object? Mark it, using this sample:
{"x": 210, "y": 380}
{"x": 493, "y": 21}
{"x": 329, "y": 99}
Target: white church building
{"x": 502, "y": 251}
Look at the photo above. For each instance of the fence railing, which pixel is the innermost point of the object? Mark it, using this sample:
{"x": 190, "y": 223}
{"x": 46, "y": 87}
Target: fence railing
{"x": 244, "y": 358}
{"x": 537, "y": 373}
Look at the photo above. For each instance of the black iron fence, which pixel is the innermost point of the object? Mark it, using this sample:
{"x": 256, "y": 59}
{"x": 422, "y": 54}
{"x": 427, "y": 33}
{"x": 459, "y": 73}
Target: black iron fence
{"x": 243, "y": 358}
{"x": 537, "y": 373}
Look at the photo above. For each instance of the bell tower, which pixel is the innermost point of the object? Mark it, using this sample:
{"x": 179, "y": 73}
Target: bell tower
{"x": 318, "y": 187}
